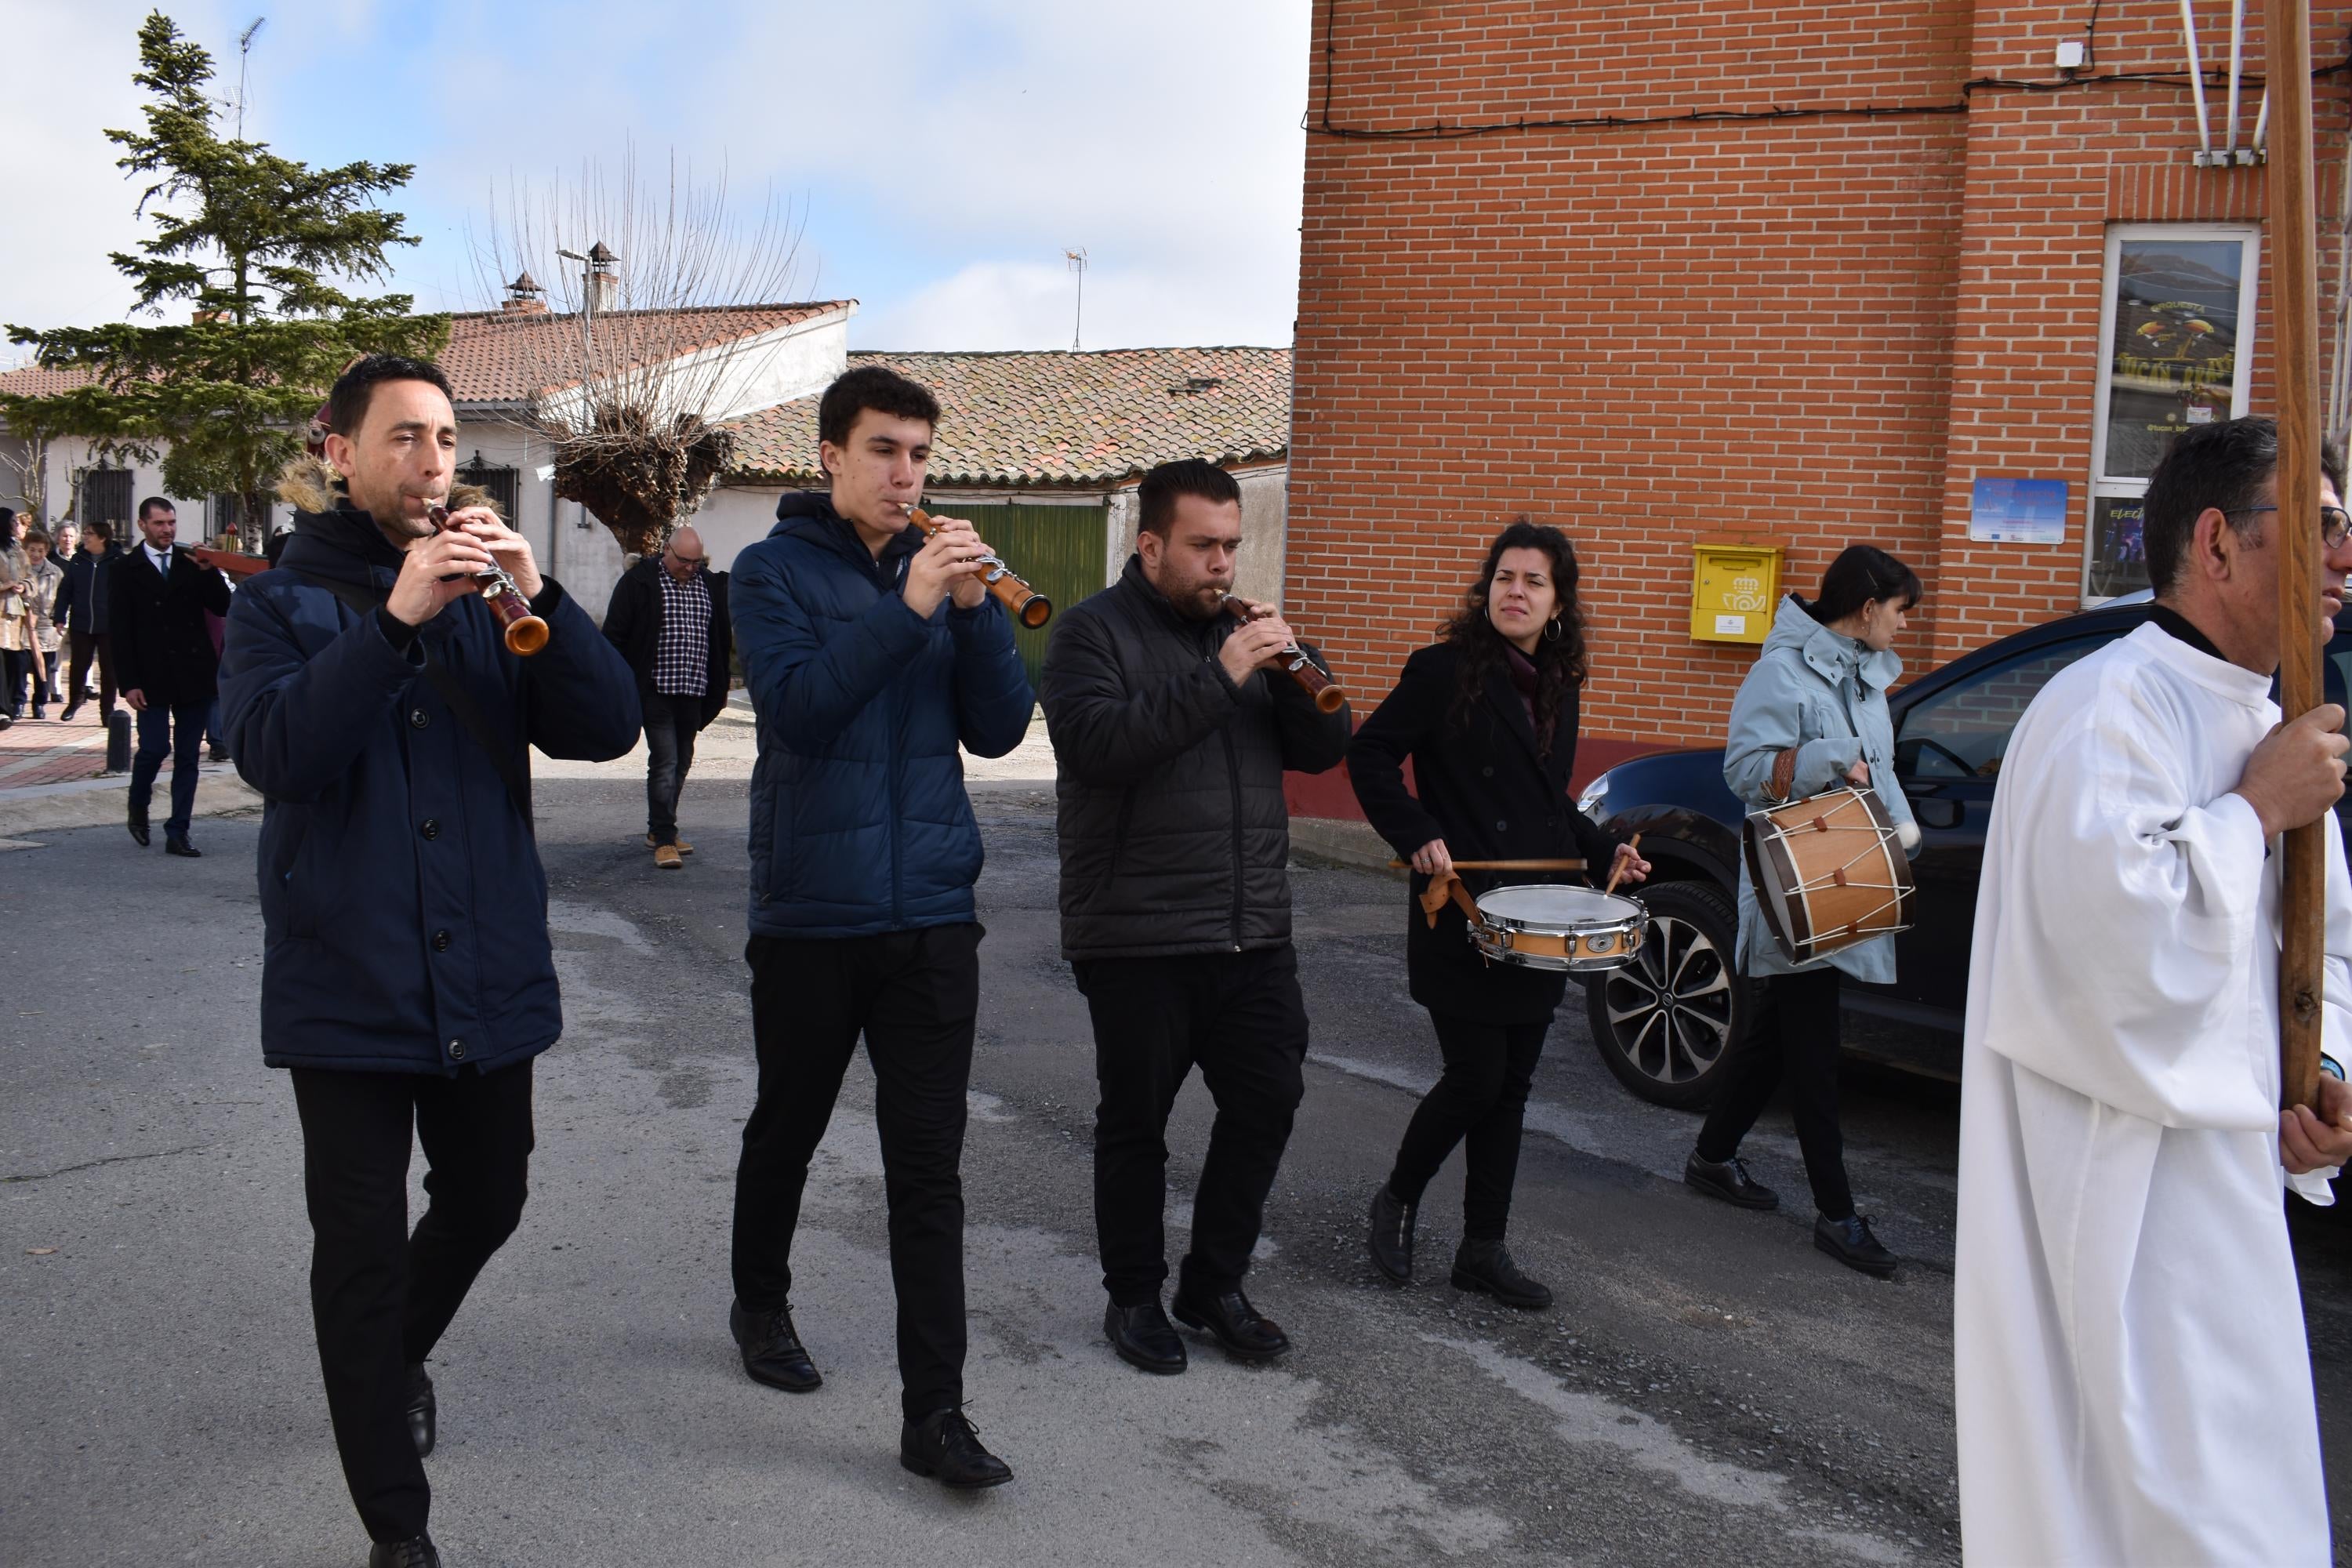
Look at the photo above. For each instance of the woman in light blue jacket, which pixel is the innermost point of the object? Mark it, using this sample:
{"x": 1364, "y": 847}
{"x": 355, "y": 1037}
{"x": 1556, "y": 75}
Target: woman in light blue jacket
{"x": 1812, "y": 716}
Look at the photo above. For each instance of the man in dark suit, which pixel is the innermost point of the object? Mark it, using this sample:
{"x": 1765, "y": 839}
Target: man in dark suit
{"x": 669, "y": 618}
{"x": 164, "y": 656}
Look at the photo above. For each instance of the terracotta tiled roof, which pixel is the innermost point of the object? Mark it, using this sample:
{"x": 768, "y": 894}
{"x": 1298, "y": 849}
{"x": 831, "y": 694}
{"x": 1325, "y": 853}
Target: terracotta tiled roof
{"x": 505, "y": 357}
{"x": 34, "y": 382}
{"x": 497, "y": 356}
{"x": 1059, "y": 418}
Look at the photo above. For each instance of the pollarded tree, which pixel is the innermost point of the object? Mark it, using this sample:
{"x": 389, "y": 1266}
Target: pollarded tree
{"x": 254, "y": 243}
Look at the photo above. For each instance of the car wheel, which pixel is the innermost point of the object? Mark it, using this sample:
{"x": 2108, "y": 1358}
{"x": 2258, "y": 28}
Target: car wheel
{"x": 1665, "y": 1023}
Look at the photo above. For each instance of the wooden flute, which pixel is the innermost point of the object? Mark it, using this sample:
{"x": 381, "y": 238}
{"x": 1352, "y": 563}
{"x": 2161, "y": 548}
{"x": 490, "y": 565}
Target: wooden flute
{"x": 523, "y": 633}
{"x": 1328, "y": 693}
{"x": 1024, "y": 604}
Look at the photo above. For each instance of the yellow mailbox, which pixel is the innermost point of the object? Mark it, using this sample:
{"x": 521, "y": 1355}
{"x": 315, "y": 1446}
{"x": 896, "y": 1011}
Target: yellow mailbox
{"x": 1736, "y": 588}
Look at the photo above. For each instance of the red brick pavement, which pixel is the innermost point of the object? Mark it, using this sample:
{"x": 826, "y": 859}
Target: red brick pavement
{"x": 44, "y": 752}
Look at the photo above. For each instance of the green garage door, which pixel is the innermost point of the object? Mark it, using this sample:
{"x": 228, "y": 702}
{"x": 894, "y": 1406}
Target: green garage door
{"x": 1057, "y": 550}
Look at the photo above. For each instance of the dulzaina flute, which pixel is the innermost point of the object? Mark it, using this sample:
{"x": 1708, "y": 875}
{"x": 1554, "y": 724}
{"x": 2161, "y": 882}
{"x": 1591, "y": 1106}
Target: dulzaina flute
{"x": 1024, "y": 604}
{"x": 524, "y": 633}
{"x": 1328, "y": 693}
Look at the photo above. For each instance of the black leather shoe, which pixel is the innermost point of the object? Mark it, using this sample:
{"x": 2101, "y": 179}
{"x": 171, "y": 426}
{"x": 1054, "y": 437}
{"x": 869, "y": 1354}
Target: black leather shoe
{"x": 1850, "y": 1242}
{"x": 220, "y": 753}
{"x": 1487, "y": 1268}
{"x": 1730, "y": 1181}
{"x": 772, "y": 1353}
{"x": 419, "y": 1553}
{"x": 67, "y": 715}
{"x": 421, "y": 1410}
{"x": 945, "y": 1446}
{"x": 1229, "y": 1319}
{"x": 1391, "y": 1240}
{"x": 1144, "y": 1338}
{"x": 177, "y": 844}
{"x": 138, "y": 823}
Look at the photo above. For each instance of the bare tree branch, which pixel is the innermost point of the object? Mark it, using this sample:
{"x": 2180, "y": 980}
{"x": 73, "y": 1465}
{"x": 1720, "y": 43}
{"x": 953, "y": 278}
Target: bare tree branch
{"x": 649, "y": 348}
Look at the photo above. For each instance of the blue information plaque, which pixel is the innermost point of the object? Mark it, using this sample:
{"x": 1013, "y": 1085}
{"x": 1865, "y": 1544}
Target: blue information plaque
{"x": 2018, "y": 512}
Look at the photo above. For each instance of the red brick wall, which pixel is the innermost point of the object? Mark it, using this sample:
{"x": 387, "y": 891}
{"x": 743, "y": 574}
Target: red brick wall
{"x": 1809, "y": 332}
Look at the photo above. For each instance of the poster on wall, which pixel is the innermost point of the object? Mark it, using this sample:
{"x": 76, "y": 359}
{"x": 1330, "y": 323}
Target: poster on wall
{"x": 2018, "y": 512}
{"x": 2118, "y": 557}
{"x": 2175, "y": 360}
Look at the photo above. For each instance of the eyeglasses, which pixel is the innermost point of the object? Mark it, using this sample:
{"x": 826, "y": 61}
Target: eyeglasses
{"x": 2335, "y": 522}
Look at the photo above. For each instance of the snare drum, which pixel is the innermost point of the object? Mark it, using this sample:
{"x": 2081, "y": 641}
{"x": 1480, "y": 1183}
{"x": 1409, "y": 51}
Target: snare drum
{"x": 1570, "y": 928}
{"x": 1829, "y": 873}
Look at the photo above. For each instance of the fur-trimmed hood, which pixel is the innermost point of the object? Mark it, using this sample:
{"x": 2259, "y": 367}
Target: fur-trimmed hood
{"x": 308, "y": 484}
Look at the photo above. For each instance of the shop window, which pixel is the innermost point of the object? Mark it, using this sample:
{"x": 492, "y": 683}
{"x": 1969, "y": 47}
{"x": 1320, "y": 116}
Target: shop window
{"x": 2175, "y": 320}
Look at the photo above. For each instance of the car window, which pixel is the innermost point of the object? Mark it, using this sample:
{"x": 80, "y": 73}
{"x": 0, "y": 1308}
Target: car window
{"x": 1962, "y": 732}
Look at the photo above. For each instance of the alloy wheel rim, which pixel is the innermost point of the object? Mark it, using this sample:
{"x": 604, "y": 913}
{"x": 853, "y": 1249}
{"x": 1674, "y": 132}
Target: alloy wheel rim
{"x": 1669, "y": 1011}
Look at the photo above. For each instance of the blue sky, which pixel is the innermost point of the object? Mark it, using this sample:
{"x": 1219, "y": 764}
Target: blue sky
{"x": 943, "y": 155}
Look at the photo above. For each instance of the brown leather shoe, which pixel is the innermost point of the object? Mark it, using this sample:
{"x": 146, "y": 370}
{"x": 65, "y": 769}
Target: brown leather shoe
{"x": 683, "y": 847}
{"x": 666, "y": 856}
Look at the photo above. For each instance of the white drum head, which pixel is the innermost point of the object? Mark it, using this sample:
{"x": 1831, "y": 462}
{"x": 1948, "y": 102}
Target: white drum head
{"x": 1545, "y": 908}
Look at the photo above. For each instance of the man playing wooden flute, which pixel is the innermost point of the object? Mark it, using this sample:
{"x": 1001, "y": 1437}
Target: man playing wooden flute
{"x": 2133, "y": 1384}
{"x": 871, "y": 655}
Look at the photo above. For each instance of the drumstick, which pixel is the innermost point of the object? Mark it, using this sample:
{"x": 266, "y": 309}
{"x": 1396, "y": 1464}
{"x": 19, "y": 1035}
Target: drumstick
{"x": 1502, "y": 865}
{"x": 1635, "y": 844}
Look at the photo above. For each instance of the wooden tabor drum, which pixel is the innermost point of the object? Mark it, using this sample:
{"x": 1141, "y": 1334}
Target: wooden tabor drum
{"x": 1829, "y": 872}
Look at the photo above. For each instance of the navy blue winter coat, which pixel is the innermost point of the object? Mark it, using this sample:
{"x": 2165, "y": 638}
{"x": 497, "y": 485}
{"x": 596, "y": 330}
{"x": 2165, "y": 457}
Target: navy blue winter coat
{"x": 404, "y": 905}
{"x": 859, "y": 820}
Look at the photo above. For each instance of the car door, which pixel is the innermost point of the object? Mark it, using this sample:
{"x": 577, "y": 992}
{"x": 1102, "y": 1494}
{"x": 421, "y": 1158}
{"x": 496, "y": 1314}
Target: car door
{"x": 1948, "y": 746}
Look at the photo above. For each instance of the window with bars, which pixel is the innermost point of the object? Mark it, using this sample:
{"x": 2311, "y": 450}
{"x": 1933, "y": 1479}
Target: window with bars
{"x": 106, "y": 496}
{"x": 502, "y": 484}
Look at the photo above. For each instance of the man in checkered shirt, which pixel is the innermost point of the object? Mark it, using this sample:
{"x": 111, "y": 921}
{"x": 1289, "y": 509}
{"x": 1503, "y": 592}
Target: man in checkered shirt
{"x": 668, "y": 618}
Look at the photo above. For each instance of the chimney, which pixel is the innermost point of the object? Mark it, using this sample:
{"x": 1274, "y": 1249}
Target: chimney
{"x": 601, "y": 285}
{"x": 525, "y": 297}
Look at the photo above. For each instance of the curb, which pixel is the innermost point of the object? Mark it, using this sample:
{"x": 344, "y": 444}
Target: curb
{"x": 1329, "y": 841}
{"x": 104, "y": 802}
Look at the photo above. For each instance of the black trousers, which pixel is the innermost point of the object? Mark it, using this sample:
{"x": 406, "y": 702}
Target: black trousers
{"x": 671, "y": 724}
{"x": 1480, "y": 1102}
{"x": 914, "y": 995}
{"x": 1239, "y": 1017}
{"x": 19, "y": 666}
{"x": 1801, "y": 1047}
{"x": 88, "y": 646}
{"x": 177, "y": 732}
{"x": 382, "y": 1295}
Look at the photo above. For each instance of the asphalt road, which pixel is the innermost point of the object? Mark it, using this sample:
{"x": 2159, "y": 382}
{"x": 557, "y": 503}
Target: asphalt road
{"x": 1708, "y": 1390}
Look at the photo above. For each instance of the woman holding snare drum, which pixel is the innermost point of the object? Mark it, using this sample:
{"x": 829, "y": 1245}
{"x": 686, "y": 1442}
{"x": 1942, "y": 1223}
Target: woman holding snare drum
{"x": 1488, "y": 716}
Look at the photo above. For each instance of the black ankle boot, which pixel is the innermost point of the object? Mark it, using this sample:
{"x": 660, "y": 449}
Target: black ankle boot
{"x": 1729, "y": 1181}
{"x": 1144, "y": 1338}
{"x": 1487, "y": 1267}
{"x": 1391, "y": 1237}
{"x": 417, "y": 1552}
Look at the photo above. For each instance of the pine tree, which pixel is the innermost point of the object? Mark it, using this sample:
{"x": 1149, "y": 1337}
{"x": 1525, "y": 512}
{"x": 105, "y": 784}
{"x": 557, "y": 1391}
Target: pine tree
{"x": 252, "y": 240}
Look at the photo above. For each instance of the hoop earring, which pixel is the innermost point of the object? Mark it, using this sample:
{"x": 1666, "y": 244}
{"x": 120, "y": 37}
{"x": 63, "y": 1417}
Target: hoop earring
{"x": 1551, "y": 629}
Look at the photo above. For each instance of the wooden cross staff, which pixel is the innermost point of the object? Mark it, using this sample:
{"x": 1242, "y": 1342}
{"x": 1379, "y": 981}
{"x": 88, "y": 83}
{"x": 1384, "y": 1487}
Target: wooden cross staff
{"x": 2295, "y": 269}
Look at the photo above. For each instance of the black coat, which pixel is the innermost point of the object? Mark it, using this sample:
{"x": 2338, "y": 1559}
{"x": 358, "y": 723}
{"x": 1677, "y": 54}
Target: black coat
{"x": 163, "y": 647}
{"x": 81, "y": 600}
{"x": 1486, "y": 792}
{"x": 402, "y": 903}
{"x": 633, "y": 620}
{"x": 1174, "y": 835}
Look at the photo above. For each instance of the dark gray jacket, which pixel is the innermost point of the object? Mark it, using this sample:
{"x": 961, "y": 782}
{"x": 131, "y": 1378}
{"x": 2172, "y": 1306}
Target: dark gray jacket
{"x": 1174, "y": 836}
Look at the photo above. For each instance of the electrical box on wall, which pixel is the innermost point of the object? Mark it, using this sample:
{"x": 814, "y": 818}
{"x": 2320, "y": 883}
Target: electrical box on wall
{"x": 1733, "y": 590}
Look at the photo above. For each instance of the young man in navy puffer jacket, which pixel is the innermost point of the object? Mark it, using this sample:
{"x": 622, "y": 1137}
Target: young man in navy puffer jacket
{"x": 871, "y": 655}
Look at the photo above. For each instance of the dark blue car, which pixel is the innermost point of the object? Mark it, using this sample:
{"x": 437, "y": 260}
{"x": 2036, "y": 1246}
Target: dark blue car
{"x": 1664, "y": 1023}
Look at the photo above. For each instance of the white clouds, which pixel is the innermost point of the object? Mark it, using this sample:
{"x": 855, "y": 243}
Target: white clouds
{"x": 994, "y": 305}
{"x": 949, "y": 150}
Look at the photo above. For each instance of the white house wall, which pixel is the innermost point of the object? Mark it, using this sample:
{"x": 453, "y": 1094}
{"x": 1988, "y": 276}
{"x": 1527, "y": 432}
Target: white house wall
{"x": 65, "y": 456}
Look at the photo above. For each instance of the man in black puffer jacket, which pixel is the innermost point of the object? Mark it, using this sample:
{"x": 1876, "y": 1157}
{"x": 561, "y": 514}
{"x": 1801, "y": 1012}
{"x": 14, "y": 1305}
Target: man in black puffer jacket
{"x": 1172, "y": 726}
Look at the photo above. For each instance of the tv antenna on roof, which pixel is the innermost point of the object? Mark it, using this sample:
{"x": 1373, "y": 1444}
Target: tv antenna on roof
{"x": 1078, "y": 260}
{"x": 243, "y": 51}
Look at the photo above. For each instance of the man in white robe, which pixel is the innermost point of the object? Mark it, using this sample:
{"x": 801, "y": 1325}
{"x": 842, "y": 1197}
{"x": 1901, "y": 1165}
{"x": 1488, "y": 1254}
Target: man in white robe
{"x": 2133, "y": 1385}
